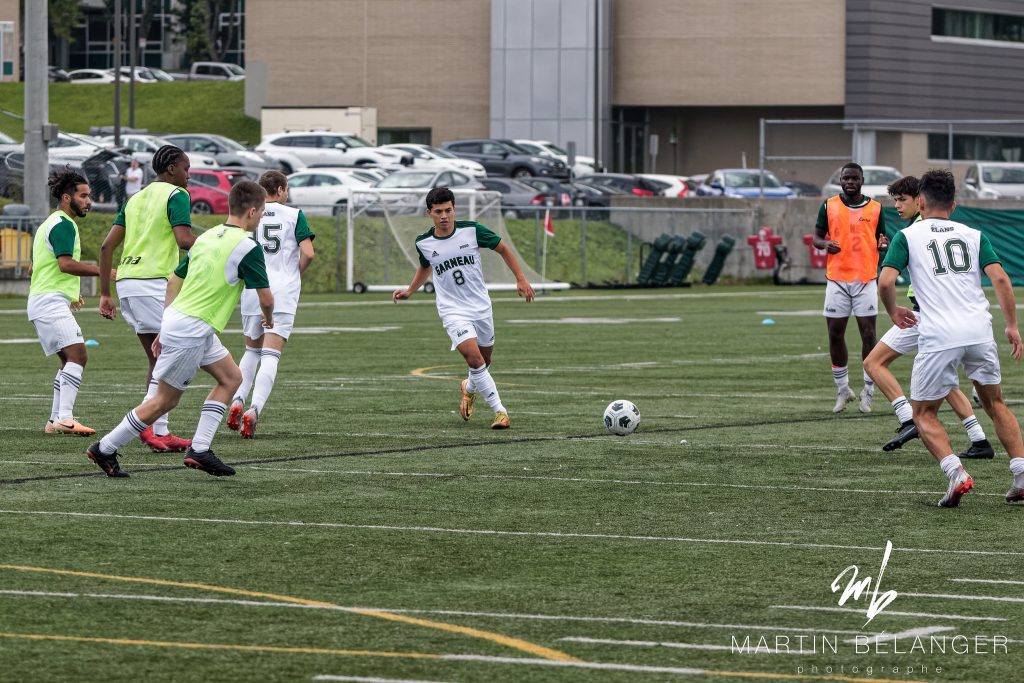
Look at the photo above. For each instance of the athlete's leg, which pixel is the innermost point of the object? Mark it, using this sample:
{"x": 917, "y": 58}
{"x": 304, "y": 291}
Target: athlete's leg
{"x": 876, "y": 364}
{"x": 273, "y": 346}
{"x": 135, "y": 422}
{"x": 480, "y": 377}
{"x": 228, "y": 377}
{"x": 1007, "y": 427}
{"x": 837, "y": 341}
{"x": 248, "y": 365}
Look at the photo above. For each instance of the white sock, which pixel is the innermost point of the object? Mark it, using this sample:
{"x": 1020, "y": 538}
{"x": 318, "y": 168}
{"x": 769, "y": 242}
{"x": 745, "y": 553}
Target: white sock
{"x": 130, "y": 428}
{"x": 869, "y": 384}
{"x": 55, "y": 406}
{"x": 1017, "y": 469}
{"x": 841, "y": 375}
{"x": 470, "y": 387}
{"x": 265, "y": 378}
{"x": 160, "y": 426}
{"x": 904, "y": 413}
{"x": 209, "y": 420}
{"x": 484, "y": 384}
{"x": 70, "y": 381}
{"x": 250, "y": 361}
{"x": 974, "y": 431}
{"x": 951, "y": 466}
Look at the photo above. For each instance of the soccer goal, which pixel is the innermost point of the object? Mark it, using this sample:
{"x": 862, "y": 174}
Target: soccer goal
{"x": 382, "y": 228}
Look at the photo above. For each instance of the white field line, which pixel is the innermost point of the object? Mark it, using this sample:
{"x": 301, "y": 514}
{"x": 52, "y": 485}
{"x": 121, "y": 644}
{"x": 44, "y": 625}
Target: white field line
{"x": 891, "y": 613}
{"x": 945, "y": 596}
{"x": 635, "y": 668}
{"x": 1006, "y": 582}
{"x": 586, "y": 480}
{"x": 554, "y": 299}
{"x": 589, "y": 321}
{"x": 506, "y": 533}
{"x": 369, "y": 679}
{"x": 671, "y": 644}
{"x": 909, "y": 633}
{"x": 41, "y": 462}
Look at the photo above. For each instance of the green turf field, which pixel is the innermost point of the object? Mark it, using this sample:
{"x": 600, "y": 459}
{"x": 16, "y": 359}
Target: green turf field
{"x": 372, "y": 535}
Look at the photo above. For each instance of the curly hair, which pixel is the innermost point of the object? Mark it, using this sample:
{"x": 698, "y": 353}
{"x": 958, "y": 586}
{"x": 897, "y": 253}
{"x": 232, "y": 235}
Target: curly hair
{"x": 165, "y": 156}
{"x": 64, "y": 181}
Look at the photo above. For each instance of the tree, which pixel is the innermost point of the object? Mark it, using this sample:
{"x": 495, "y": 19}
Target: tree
{"x": 198, "y": 26}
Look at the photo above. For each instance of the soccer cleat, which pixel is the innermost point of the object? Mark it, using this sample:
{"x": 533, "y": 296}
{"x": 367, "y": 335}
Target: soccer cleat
{"x": 207, "y": 462}
{"x": 73, "y": 427}
{"x": 866, "y": 397}
{"x": 904, "y": 433}
{"x": 235, "y": 414}
{"x": 155, "y": 443}
{"x": 1015, "y": 495}
{"x": 249, "y": 420}
{"x": 175, "y": 444}
{"x": 107, "y": 463}
{"x": 501, "y": 421}
{"x": 466, "y": 406}
{"x": 843, "y": 397}
{"x": 958, "y": 486}
{"x": 49, "y": 428}
{"x": 979, "y": 450}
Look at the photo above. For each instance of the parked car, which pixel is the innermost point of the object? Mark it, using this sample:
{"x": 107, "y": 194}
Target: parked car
{"x": 366, "y": 174}
{"x": 584, "y": 165}
{"x": 322, "y": 191}
{"x": 517, "y": 197}
{"x": 742, "y": 182}
{"x": 209, "y": 189}
{"x": 143, "y": 147}
{"x": 675, "y": 186}
{"x": 427, "y": 179}
{"x": 505, "y": 158}
{"x": 803, "y": 189}
{"x": 226, "y": 151}
{"x": 634, "y": 184}
{"x": 90, "y": 76}
{"x": 141, "y": 75}
{"x": 599, "y": 196}
{"x": 994, "y": 180}
{"x": 558, "y": 193}
{"x": 876, "y": 181}
{"x": 425, "y": 156}
{"x": 298, "y": 150}
{"x": 58, "y": 75}
{"x": 212, "y": 71}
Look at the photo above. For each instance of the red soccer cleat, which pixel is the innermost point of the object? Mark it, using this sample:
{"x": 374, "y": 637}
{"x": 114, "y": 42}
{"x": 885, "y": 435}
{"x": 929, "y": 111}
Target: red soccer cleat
{"x": 235, "y": 414}
{"x": 155, "y": 443}
{"x": 176, "y": 444}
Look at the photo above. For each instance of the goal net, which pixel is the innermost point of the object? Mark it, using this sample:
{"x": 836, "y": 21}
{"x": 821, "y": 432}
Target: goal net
{"x": 382, "y": 229}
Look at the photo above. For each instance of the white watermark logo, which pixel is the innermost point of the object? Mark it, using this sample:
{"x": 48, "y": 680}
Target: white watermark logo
{"x": 855, "y": 588}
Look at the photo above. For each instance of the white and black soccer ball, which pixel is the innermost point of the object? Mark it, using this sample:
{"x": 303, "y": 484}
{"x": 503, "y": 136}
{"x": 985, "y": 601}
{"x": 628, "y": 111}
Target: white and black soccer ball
{"x": 621, "y": 417}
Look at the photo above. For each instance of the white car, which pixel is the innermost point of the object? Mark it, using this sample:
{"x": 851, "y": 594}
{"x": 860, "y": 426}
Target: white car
{"x": 298, "y": 150}
{"x": 428, "y": 179}
{"x": 143, "y": 148}
{"x": 91, "y": 76}
{"x": 876, "y": 182}
{"x": 427, "y": 157}
{"x": 322, "y": 191}
{"x": 141, "y": 75}
{"x": 677, "y": 186}
{"x": 994, "y": 180}
{"x": 584, "y": 165}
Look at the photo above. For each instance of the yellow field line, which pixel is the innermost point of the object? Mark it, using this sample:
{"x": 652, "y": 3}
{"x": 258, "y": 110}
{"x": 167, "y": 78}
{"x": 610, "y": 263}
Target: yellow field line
{"x": 508, "y": 641}
{"x": 423, "y": 372}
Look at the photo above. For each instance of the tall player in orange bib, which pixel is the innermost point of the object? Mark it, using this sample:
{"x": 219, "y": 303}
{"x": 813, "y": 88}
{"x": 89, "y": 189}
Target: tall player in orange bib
{"x": 850, "y": 227}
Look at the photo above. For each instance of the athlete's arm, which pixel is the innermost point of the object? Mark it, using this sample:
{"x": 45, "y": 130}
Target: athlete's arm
{"x": 422, "y": 273}
{"x": 69, "y": 265}
{"x": 901, "y": 317}
{"x": 821, "y": 240}
{"x": 305, "y": 254}
{"x": 183, "y": 236}
{"x": 112, "y": 241}
{"x": 1004, "y": 293}
{"x": 173, "y": 287}
{"x": 880, "y": 236}
{"x": 267, "y": 306}
{"x": 523, "y": 287}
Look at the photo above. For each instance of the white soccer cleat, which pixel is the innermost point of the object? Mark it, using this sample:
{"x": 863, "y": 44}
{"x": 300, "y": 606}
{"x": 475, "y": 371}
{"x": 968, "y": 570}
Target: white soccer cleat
{"x": 843, "y": 397}
{"x": 866, "y": 397}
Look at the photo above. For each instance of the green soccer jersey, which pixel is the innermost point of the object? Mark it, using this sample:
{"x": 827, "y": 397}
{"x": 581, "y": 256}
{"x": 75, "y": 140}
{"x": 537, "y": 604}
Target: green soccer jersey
{"x": 149, "y": 216}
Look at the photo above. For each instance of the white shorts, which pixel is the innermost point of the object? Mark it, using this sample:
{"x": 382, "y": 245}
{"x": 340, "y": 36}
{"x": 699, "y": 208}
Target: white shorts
{"x": 460, "y": 329}
{"x": 903, "y": 341}
{"x": 143, "y": 313}
{"x": 252, "y": 325}
{"x": 58, "y": 332}
{"x": 935, "y": 373}
{"x": 177, "y": 365}
{"x": 843, "y": 299}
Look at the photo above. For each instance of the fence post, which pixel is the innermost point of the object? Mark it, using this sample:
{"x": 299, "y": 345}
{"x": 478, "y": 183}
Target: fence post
{"x": 583, "y": 250}
{"x": 338, "y": 288}
{"x": 536, "y": 241}
{"x": 629, "y": 257}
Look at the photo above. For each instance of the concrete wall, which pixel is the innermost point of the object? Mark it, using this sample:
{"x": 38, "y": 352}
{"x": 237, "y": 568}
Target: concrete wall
{"x": 10, "y": 11}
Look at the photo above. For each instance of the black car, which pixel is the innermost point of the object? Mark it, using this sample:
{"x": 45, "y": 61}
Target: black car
{"x": 596, "y": 196}
{"x": 517, "y": 198}
{"x": 560, "y": 194}
{"x": 505, "y": 158}
{"x": 634, "y": 184}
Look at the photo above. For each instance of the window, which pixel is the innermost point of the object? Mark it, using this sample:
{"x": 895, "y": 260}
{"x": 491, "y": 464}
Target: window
{"x": 326, "y": 181}
{"x": 458, "y": 178}
{"x": 390, "y": 136}
{"x": 300, "y": 180}
{"x": 203, "y": 179}
{"x": 493, "y": 148}
{"x": 971, "y": 25}
{"x": 976, "y": 147}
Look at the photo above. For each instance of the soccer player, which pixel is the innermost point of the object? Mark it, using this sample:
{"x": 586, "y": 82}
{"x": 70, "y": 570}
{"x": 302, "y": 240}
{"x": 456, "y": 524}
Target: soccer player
{"x": 153, "y": 224}
{"x": 850, "y": 227}
{"x": 201, "y": 296}
{"x": 54, "y": 296}
{"x": 287, "y": 245}
{"x": 450, "y": 251}
{"x": 897, "y": 342}
{"x": 945, "y": 260}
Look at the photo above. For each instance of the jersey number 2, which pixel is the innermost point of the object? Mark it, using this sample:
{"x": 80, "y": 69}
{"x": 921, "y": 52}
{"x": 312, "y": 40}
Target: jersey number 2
{"x": 271, "y": 243}
{"x": 957, "y": 256}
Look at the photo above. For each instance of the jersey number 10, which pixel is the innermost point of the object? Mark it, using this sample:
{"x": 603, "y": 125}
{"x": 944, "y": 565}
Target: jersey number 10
{"x": 957, "y": 256}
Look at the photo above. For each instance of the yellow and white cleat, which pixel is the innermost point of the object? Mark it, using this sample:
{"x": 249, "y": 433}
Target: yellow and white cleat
{"x": 501, "y": 421}
{"x": 466, "y": 406}
{"x": 73, "y": 427}
{"x": 50, "y": 429}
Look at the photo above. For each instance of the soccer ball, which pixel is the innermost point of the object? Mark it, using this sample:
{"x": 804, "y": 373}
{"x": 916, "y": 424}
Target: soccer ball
{"x": 621, "y": 418}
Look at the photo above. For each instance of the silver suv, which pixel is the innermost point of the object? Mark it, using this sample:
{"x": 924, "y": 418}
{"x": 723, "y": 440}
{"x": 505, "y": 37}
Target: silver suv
{"x": 994, "y": 180}
{"x": 298, "y": 150}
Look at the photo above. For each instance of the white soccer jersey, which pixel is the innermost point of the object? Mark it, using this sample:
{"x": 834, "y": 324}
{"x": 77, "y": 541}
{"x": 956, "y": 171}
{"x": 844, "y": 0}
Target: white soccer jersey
{"x": 945, "y": 260}
{"x": 457, "y": 276}
{"x": 281, "y": 230}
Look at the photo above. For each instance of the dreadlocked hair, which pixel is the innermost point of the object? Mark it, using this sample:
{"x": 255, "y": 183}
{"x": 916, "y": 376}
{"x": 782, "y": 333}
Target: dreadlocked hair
{"x": 64, "y": 181}
{"x": 165, "y": 156}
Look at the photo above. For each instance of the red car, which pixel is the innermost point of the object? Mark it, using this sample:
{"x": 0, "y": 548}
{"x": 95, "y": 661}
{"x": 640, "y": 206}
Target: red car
{"x": 209, "y": 189}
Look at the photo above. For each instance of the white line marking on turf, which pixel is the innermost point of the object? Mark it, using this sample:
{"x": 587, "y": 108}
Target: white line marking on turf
{"x": 678, "y": 646}
{"x": 23, "y": 340}
{"x": 586, "y": 480}
{"x": 502, "y": 532}
{"x": 854, "y": 610}
{"x": 329, "y": 330}
{"x": 909, "y": 633}
{"x": 945, "y": 596}
{"x": 606, "y": 666}
{"x": 587, "y": 321}
{"x": 369, "y": 679}
{"x": 1006, "y": 582}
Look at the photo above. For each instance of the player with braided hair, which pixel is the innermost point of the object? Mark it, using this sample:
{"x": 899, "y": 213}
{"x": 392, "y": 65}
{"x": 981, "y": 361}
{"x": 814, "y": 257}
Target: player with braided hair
{"x": 153, "y": 225}
{"x": 54, "y": 295}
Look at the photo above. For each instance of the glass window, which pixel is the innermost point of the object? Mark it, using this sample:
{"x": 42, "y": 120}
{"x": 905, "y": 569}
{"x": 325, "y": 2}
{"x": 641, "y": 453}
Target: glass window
{"x": 955, "y": 23}
{"x": 406, "y": 180}
{"x": 976, "y": 147}
{"x": 492, "y": 148}
{"x": 1003, "y": 175}
{"x": 458, "y": 178}
{"x": 326, "y": 180}
{"x": 389, "y": 136}
{"x": 300, "y": 180}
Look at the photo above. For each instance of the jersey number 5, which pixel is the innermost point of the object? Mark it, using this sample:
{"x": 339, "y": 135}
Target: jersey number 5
{"x": 958, "y": 258}
{"x": 271, "y": 242}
